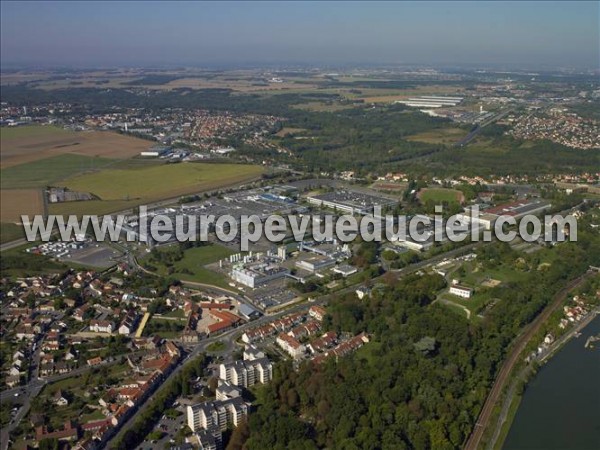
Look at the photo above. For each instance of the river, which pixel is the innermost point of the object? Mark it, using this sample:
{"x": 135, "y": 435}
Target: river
{"x": 561, "y": 406}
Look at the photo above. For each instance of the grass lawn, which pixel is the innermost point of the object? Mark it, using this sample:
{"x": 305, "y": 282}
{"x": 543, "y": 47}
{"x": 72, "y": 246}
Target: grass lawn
{"x": 176, "y": 313}
{"x": 160, "y": 182}
{"x": 439, "y": 195}
{"x": 474, "y": 304}
{"x": 49, "y": 171}
{"x": 216, "y": 346}
{"x": 93, "y": 415}
{"x": 194, "y": 260}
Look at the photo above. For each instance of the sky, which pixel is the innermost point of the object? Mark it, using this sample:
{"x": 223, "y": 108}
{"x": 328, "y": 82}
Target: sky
{"x": 204, "y": 34}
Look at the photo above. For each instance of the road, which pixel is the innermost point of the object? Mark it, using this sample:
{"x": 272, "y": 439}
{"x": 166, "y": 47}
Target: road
{"x": 30, "y": 391}
{"x": 514, "y": 356}
{"x": 473, "y": 133}
{"x": 229, "y": 337}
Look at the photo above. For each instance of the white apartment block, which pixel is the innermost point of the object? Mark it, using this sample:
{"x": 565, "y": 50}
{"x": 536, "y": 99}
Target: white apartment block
{"x": 461, "y": 291}
{"x": 247, "y": 373}
{"x": 219, "y": 414}
{"x": 226, "y": 391}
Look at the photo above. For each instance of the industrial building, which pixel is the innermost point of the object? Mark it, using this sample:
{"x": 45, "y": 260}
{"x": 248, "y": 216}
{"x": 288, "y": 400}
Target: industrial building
{"x": 314, "y": 263}
{"x": 519, "y": 208}
{"x": 256, "y": 274}
{"x": 350, "y": 202}
{"x": 431, "y": 101}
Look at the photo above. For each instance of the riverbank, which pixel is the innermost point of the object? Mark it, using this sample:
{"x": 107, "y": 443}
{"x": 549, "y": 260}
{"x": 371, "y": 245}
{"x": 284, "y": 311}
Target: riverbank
{"x": 514, "y": 394}
{"x": 559, "y": 407}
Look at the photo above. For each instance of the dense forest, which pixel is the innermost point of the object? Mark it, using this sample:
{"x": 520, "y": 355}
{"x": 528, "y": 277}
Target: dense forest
{"x": 422, "y": 380}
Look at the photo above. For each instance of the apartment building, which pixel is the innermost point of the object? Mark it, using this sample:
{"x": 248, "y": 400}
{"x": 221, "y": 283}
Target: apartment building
{"x": 218, "y": 413}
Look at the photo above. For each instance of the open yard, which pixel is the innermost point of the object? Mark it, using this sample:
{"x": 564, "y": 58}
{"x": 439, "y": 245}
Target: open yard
{"x": 439, "y": 195}
{"x": 160, "y": 182}
{"x": 25, "y": 144}
{"x": 192, "y": 266}
{"x": 14, "y": 202}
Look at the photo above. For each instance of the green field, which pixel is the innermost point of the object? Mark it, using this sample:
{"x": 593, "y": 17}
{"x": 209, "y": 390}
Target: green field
{"x": 48, "y": 171}
{"x": 7, "y": 133}
{"x": 439, "y": 195}
{"x": 98, "y": 207}
{"x": 159, "y": 182}
{"x": 439, "y": 136}
{"x": 10, "y": 232}
{"x": 191, "y": 267}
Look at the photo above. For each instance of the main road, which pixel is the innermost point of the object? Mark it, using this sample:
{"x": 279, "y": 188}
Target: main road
{"x": 231, "y": 336}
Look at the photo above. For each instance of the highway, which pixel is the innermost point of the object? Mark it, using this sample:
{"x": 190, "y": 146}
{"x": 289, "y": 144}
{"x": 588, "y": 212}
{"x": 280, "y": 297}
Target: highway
{"x": 474, "y": 132}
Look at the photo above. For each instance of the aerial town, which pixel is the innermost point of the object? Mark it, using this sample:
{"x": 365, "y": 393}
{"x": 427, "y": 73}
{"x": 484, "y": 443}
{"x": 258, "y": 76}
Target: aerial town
{"x": 299, "y": 225}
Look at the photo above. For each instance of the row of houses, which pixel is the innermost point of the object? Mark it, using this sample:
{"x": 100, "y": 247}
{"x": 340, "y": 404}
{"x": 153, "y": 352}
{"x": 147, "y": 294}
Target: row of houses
{"x": 282, "y": 325}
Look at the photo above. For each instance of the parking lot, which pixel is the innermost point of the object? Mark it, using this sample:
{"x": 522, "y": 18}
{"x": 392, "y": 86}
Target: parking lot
{"x": 169, "y": 428}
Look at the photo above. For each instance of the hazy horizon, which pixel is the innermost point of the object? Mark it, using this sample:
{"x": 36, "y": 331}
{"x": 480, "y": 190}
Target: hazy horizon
{"x": 494, "y": 34}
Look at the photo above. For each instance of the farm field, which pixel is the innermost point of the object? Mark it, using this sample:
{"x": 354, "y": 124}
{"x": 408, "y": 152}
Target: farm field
{"x": 439, "y": 195}
{"x": 14, "y": 202}
{"x": 289, "y": 130}
{"x": 124, "y": 189}
{"x": 330, "y": 106}
{"x": 20, "y": 145}
{"x": 160, "y": 182}
{"x": 46, "y": 172}
{"x": 96, "y": 207}
{"x": 10, "y": 232}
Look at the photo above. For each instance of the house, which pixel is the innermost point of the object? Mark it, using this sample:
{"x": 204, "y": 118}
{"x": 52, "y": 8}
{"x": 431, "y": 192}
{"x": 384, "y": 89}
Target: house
{"x": 59, "y": 399}
{"x": 70, "y": 354}
{"x": 68, "y": 433}
{"x": 363, "y": 292}
{"x": 317, "y": 312}
{"x": 13, "y": 380}
{"x": 129, "y": 323}
{"x": 290, "y": 345}
{"x": 101, "y": 326}
{"x": 323, "y": 343}
{"x": 306, "y": 329}
{"x": 79, "y": 313}
{"x": 94, "y": 361}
